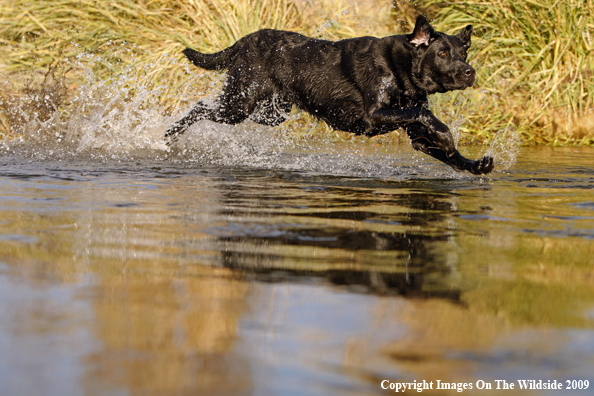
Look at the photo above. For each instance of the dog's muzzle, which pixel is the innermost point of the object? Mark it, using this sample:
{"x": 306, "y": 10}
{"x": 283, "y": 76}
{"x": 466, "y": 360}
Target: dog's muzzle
{"x": 466, "y": 76}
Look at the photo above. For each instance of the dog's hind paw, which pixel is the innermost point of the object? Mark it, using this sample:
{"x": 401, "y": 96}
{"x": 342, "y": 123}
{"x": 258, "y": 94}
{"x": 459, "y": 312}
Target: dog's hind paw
{"x": 482, "y": 166}
{"x": 172, "y": 135}
{"x": 170, "y": 140}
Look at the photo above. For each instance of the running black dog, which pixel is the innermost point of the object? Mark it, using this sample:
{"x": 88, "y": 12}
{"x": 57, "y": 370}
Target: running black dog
{"x": 367, "y": 86}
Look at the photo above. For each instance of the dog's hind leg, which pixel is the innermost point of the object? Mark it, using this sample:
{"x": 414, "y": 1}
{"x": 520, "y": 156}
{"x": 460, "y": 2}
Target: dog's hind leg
{"x": 237, "y": 102}
{"x": 228, "y": 110}
{"x": 422, "y": 141}
{"x": 271, "y": 111}
{"x": 199, "y": 112}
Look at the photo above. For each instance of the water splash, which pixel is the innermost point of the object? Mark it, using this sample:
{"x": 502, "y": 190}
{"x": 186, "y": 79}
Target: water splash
{"x": 456, "y": 107}
{"x": 103, "y": 119}
{"x": 121, "y": 119}
{"x": 504, "y": 148}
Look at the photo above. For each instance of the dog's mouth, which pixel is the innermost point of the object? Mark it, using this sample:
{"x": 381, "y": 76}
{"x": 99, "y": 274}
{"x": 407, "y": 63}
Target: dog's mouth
{"x": 460, "y": 81}
{"x": 465, "y": 84}
{"x": 456, "y": 85}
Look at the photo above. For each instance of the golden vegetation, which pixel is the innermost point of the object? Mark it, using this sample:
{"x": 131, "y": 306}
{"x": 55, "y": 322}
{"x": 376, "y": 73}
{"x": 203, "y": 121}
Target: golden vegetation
{"x": 534, "y": 60}
{"x": 535, "y": 63}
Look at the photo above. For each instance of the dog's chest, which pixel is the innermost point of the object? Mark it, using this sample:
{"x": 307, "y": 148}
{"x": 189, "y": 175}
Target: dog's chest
{"x": 392, "y": 94}
{"x": 385, "y": 88}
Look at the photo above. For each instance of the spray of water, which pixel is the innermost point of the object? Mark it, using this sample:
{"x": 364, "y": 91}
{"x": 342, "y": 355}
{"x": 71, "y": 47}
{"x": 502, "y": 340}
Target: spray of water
{"x": 503, "y": 146}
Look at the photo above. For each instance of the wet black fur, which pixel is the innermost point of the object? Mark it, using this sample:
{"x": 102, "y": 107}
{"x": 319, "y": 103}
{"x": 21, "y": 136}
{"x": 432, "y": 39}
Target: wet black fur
{"x": 367, "y": 85}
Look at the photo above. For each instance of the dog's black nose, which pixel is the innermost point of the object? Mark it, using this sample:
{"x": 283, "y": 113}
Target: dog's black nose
{"x": 467, "y": 75}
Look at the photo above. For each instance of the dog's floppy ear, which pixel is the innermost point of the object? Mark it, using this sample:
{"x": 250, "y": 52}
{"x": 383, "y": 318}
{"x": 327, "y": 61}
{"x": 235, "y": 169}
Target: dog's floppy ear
{"x": 423, "y": 32}
{"x": 465, "y": 34}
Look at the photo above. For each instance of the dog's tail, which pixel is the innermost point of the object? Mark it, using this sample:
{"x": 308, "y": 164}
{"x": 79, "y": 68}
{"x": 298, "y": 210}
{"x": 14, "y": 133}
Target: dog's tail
{"x": 216, "y": 61}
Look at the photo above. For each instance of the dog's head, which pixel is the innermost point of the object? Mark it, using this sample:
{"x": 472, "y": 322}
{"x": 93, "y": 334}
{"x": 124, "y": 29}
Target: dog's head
{"x": 439, "y": 60}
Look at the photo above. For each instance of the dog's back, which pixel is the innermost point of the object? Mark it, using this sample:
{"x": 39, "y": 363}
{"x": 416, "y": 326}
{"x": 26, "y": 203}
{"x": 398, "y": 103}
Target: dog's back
{"x": 257, "y": 45}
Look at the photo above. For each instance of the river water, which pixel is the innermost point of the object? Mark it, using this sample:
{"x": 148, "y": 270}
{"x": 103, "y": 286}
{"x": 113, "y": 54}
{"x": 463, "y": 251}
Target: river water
{"x": 326, "y": 269}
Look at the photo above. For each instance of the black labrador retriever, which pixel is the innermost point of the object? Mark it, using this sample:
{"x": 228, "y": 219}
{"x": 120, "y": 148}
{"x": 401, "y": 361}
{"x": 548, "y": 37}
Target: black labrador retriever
{"x": 367, "y": 85}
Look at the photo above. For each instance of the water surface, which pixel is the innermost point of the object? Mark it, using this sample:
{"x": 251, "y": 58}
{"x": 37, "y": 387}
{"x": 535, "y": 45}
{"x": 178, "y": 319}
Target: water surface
{"x": 309, "y": 275}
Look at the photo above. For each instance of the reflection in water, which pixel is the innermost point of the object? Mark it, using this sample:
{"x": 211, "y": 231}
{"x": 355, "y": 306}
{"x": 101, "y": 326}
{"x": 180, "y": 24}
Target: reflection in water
{"x": 377, "y": 251}
{"x": 162, "y": 333}
{"x": 124, "y": 278}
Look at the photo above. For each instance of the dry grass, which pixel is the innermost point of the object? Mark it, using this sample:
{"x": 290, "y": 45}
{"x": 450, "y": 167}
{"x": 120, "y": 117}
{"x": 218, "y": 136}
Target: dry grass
{"x": 534, "y": 60}
{"x": 108, "y": 36}
{"x": 536, "y": 64}
{"x": 67, "y": 39}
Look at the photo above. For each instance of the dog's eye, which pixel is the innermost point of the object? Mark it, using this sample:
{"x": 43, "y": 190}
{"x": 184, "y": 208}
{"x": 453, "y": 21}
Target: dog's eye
{"x": 442, "y": 54}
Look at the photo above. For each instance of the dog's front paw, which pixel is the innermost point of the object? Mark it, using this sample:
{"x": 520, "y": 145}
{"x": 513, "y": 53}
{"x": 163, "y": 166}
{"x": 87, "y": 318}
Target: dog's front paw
{"x": 482, "y": 166}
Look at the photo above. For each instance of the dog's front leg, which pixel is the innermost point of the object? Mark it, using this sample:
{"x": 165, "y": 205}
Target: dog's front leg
{"x": 422, "y": 139}
{"x": 438, "y": 132}
{"x": 429, "y": 135}
{"x": 387, "y": 119}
